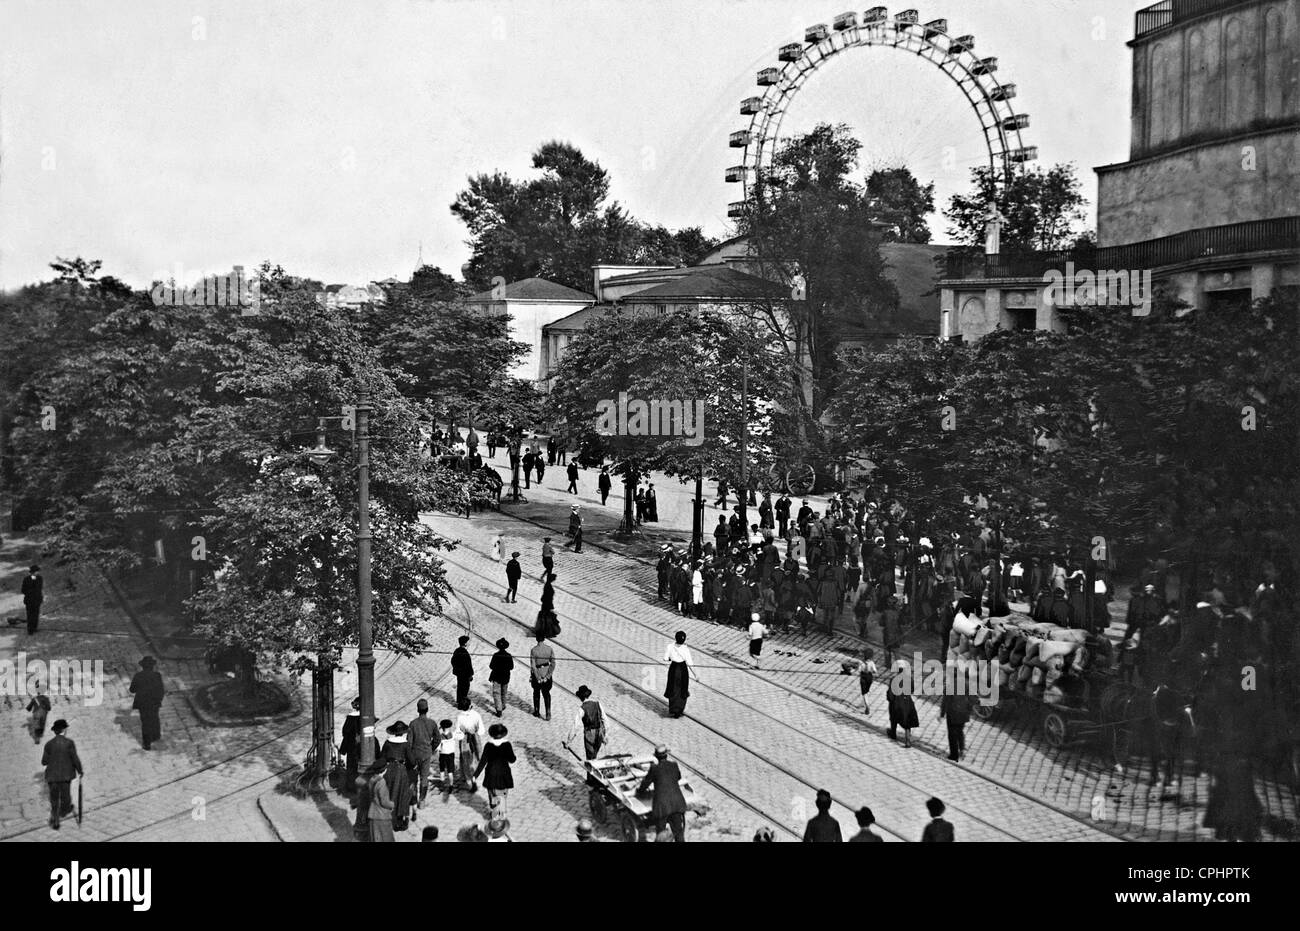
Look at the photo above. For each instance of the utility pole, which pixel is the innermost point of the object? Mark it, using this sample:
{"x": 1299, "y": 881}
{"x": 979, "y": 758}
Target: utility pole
{"x": 743, "y": 491}
{"x": 365, "y": 650}
{"x": 697, "y": 524}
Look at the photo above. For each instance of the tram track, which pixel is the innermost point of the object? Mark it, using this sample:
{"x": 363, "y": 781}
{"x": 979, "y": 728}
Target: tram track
{"x": 838, "y": 712}
{"x": 789, "y": 773}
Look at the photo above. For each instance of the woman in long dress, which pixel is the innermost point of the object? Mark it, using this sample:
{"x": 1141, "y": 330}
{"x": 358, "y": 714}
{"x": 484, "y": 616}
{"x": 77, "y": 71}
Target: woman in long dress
{"x": 651, "y": 505}
{"x": 680, "y": 665}
{"x": 381, "y": 806}
{"x": 399, "y": 759}
{"x": 497, "y": 547}
{"x": 495, "y": 767}
{"x": 469, "y": 723}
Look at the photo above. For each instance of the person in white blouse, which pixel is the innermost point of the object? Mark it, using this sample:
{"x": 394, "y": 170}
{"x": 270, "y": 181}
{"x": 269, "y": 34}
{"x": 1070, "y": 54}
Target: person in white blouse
{"x": 680, "y": 668}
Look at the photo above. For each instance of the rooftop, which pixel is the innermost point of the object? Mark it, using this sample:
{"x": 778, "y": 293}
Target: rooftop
{"x": 531, "y": 289}
{"x": 712, "y": 282}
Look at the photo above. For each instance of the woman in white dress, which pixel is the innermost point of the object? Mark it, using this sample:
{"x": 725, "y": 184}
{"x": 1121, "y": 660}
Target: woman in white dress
{"x": 497, "y": 547}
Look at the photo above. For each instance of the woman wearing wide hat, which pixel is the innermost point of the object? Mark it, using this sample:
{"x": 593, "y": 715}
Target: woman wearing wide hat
{"x": 399, "y": 760}
{"x": 495, "y": 768}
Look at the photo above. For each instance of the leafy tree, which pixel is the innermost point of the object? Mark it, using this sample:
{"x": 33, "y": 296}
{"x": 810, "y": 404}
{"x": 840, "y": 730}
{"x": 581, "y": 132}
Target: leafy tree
{"x": 901, "y": 204}
{"x": 806, "y": 220}
{"x": 558, "y": 225}
{"x": 681, "y": 357}
{"x": 193, "y": 422}
{"x": 1042, "y": 207}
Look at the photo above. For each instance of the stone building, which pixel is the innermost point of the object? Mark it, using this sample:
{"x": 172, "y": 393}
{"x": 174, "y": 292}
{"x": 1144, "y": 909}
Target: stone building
{"x": 1208, "y": 205}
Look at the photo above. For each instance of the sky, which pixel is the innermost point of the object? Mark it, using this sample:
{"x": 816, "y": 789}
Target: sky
{"x": 331, "y": 136}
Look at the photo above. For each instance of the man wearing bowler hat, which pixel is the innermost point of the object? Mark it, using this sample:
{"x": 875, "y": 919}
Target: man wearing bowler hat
{"x": 147, "y": 687}
{"x": 33, "y": 595}
{"x": 61, "y": 764}
{"x": 668, "y": 810}
{"x": 462, "y": 667}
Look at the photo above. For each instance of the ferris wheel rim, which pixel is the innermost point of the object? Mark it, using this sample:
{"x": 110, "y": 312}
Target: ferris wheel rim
{"x": 994, "y": 113}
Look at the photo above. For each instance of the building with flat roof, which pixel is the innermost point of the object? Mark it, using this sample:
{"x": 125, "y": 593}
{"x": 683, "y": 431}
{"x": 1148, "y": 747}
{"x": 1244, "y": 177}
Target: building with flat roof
{"x": 1207, "y": 206}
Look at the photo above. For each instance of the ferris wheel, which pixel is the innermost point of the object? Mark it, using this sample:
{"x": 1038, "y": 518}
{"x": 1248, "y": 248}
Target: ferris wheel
{"x": 989, "y": 98}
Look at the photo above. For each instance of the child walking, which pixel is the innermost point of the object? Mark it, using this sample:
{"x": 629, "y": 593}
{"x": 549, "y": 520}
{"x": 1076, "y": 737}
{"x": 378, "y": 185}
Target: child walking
{"x": 867, "y": 673}
{"x": 447, "y": 740}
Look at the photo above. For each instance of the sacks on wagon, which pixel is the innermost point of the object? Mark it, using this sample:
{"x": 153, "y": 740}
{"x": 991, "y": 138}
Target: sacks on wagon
{"x": 966, "y": 625}
{"x": 1050, "y": 649}
{"x": 1072, "y": 635}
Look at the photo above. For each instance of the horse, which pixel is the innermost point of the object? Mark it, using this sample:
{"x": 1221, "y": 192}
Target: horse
{"x": 1170, "y": 717}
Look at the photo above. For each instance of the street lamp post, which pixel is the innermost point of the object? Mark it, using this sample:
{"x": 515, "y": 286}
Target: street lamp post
{"x": 365, "y": 650}
{"x": 742, "y": 493}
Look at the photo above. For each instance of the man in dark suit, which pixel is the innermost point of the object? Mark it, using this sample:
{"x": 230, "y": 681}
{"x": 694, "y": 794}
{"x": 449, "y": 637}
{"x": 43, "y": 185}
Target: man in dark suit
{"x": 147, "y": 687}
{"x": 783, "y": 514}
{"x": 572, "y": 472}
{"x": 955, "y": 709}
{"x": 937, "y": 831}
{"x": 822, "y": 828}
{"x": 514, "y": 572}
{"x": 669, "y": 806}
{"x": 604, "y": 483}
{"x": 462, "y": 667}
{"x": 61, "y": 764}
{"x": 33, "y": 595}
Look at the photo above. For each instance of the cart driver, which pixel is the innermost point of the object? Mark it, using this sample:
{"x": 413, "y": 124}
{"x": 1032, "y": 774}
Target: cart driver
{"x": 590, "y": 722}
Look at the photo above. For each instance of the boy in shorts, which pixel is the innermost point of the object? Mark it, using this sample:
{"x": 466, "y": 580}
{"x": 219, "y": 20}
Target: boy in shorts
{"x": 447, "y": 755}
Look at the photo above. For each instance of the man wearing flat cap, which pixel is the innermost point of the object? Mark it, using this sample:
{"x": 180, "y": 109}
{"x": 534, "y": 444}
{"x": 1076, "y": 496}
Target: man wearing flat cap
{"x": 147, "y": 687}
{"x": 61, "y": 764}
{"x": 668, "y": 810}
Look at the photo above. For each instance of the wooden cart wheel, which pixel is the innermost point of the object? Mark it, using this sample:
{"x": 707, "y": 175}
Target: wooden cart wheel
{"x": 801, "y": 478}
{"x": 982, "y": 711}
{"x": 599, "y": 808}
{"x": 1055, "y": 729}
{"x": 631, "y": 828}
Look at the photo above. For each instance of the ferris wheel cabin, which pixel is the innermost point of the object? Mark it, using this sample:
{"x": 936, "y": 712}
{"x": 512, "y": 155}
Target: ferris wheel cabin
{"x": 936, "y": 27}
{"x": 875, "y": 16}
{"x": 905, "y": 19}
{"x": 740, "y": 139}
{"x": 751, "y": 105}
{"x": 769, "y": 76}
{"x": 845, "y": 21}
{"x": 791, "y": 52}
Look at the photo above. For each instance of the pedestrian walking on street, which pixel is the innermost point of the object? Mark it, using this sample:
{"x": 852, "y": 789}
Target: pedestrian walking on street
{"x": 585, "y": 831}
{"x": 423, "y": 736}
{"x": 539, "y": 462}
{"x": 822, "y": 828}
{"x": 470, "y": 732}
{"x": 61, "y": 764}
{"x": 668, "y": 808}
{"x": 147, "y": 687}
{"x": 783, "y": 515}
{"x": 449, "y": 742}
{"x": 756, "y": 634}
{"x": 548, "y": 559}
{"x": 548, "y": 623}
{"x": 500, "y": 665}
{"x": 955, "y": 708}
{"x": 590, "y": 723}
{"x": 381, "y": 810}
{"x": 462, "y": 667}
{"x": 400, "y": 770}
{"x": 680, "y": 666}
{"x": 498, "y": 547}
{"x": 867, "y": 673}
{"x": 902, "y": 708}
{"x": 651, "y": 505}
{"x": 498, "y": 831}
{"x": 514, "y": 572}
{"x": 604, "y": 483}
{"x": 541, "y": 664}
{"x": 865, "y": 820}
{"x": 528, "y": 459}
{"x": 33, "y": 597}
{"x": 350, "y": 748}
{"x": 495, "y": 763}
{"x": 937, "y": 831}
{"x": 572, "y": 472}
{"x": 39, "y": 709}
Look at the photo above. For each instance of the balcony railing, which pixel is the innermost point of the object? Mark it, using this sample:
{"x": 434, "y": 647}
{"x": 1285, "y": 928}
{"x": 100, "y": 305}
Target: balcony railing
{"x": 1168, "y": 12}
{"x": 1282, "y": 233}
